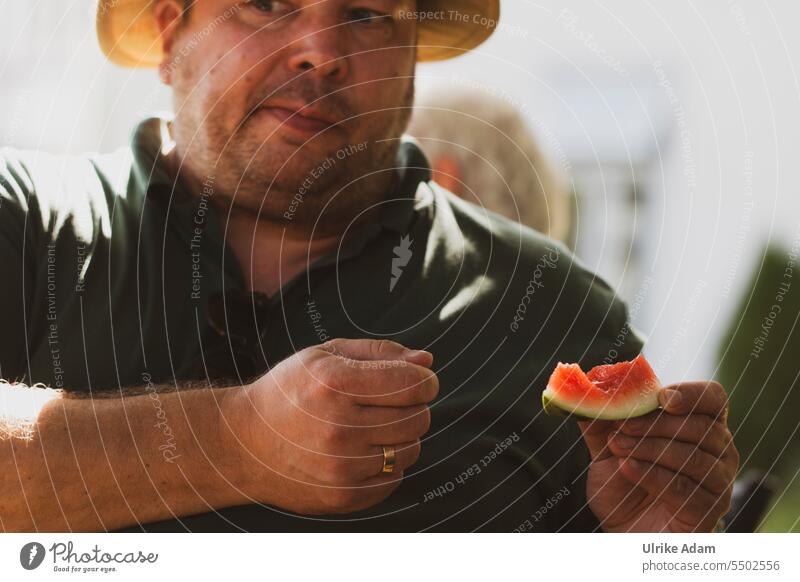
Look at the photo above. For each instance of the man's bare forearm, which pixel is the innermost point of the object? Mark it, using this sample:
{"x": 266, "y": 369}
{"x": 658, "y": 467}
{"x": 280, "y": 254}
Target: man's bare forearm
{"x": 89, "y": 464}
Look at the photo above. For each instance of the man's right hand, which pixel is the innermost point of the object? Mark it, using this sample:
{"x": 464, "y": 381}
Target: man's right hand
{"x": 309, "y": 434}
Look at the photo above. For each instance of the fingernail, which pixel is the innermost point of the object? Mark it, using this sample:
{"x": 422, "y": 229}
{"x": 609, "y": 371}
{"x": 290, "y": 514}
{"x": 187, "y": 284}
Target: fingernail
{"x": 670, "y": 398}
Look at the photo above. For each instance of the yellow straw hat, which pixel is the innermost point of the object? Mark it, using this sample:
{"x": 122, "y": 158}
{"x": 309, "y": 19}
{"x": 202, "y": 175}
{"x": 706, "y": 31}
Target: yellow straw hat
{"x": 128, "y": 34}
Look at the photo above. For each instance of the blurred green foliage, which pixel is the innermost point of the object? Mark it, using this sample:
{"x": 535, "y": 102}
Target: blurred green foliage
{"x": 760, "y": 367}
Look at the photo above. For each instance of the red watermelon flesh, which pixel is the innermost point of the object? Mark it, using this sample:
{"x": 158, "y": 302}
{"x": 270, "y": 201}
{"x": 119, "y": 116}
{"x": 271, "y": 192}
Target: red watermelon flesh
{"x": 612, "y": 392}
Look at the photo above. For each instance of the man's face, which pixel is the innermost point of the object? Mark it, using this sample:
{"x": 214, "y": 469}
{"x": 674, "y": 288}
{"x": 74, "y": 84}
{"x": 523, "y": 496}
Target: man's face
{"x": 274, "y": 98}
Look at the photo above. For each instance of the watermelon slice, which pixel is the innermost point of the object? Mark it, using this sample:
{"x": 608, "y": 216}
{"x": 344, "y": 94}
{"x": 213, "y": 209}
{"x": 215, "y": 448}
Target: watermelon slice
{"x": 612, "y": 392}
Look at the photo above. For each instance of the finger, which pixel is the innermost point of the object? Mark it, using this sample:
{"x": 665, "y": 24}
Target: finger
{"x": 406, "y": 454}
{"x": 689, "y": 501}
{"x": 677, "y": 456}
{"x": 380, "y": 383}
{"x": 595, "y": 435}
{"x": 700, "y": 429}
{"x": 367, "y": 349}
{"x": 359, "y": 467}
{"x": 384, "y": 424}
{"x": 695, "y": 398}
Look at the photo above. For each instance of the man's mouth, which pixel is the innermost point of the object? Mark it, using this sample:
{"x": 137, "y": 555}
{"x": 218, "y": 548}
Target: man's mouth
{"x": 299, "y": 118}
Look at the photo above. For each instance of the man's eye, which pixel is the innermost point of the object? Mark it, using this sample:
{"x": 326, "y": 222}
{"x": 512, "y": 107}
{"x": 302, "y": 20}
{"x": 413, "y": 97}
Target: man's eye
{"x": 270, "y": 6}
{"x": 368, "y": 16}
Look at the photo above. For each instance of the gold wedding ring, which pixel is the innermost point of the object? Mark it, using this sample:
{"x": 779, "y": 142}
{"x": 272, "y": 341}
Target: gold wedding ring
{"x": 389, "y": 458}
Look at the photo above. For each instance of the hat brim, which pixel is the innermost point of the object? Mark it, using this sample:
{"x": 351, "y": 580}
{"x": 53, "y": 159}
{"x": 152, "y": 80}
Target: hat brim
{"x": 128, "y": 34}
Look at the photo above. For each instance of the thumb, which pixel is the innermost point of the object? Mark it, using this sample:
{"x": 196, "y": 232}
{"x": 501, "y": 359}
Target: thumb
{"x": 595, "y": 435}
{"x": 368, "y": 349}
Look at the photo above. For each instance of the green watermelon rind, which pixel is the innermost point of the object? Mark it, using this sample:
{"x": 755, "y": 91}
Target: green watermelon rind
{"x": 554, "y": 406}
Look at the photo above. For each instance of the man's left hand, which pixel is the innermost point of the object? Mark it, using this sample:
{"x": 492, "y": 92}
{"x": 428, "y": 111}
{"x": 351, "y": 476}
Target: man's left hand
{"x": 669, "y": 471}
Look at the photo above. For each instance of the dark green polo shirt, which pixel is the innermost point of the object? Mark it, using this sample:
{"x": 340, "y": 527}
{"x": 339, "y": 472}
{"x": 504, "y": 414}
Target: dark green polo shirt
{"x": 114, "y": 276}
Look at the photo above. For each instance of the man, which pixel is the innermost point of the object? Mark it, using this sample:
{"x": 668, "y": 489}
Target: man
{"x": 179, "y": 297}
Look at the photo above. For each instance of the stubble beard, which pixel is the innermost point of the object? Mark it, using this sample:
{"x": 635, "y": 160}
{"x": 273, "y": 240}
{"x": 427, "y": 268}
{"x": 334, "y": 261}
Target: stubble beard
{"x": 291, "y": 191}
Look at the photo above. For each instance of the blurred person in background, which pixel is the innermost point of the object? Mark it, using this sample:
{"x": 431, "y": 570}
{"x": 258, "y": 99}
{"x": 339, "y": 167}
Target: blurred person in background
{"x": 481, "y": 149}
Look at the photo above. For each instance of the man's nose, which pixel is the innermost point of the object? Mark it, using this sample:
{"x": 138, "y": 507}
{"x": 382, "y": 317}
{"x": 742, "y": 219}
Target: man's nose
{"x": 319, "y": 51}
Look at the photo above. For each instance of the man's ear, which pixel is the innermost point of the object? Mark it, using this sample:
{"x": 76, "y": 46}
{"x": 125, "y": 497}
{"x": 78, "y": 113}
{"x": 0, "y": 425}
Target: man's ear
{"x": 168, "y": 14}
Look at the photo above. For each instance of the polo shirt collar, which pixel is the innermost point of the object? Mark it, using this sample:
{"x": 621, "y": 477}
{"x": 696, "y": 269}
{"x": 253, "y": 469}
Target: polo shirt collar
{"x": 409, "y": 191}
{"x": 150, "y": 143}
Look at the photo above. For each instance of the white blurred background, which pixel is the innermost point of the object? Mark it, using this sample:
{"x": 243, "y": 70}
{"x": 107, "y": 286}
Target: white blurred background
{"x": 677, "y": 122}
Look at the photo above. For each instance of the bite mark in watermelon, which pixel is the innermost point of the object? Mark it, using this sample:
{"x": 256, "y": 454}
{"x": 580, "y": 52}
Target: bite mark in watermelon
{"x": 612, "y": 392}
